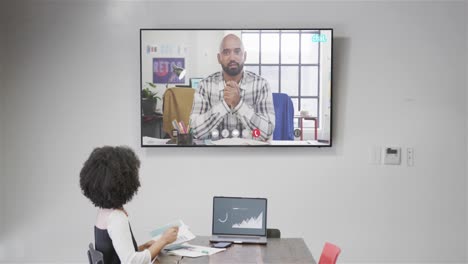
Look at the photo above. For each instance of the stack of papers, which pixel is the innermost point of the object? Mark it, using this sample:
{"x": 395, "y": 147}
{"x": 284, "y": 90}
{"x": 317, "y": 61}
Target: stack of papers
{"x": 183, "y": 236}
{"x": 193, "y": 251}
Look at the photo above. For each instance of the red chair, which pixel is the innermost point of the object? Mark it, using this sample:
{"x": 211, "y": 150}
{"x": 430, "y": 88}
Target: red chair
{"x": 330, "y": 254}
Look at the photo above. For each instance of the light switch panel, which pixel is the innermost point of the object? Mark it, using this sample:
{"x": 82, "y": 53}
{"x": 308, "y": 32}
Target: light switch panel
{"x": 391, "y": 156}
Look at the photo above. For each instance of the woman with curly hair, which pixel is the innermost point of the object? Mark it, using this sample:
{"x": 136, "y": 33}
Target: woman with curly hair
{"x": 109, "y": 178}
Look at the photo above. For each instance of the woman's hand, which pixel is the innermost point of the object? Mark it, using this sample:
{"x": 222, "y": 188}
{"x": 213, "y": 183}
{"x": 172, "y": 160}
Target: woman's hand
{"x": 170, "y": 235}
{"x": 146, "y": 245}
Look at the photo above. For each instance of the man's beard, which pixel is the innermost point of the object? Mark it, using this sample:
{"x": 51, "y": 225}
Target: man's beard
{"x": 233, "y": 71}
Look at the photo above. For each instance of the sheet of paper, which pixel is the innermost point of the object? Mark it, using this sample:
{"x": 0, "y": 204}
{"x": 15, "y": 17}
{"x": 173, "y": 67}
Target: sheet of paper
{"x": 154, "y": 141}
{"x": 194, "y": 251}
{"x": 184, "y": 234}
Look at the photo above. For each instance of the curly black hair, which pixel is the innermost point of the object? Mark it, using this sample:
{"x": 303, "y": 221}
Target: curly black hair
{"x": 109, "y": 178}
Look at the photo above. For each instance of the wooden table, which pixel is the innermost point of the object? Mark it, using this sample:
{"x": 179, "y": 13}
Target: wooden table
{"x": 278, "y": 250}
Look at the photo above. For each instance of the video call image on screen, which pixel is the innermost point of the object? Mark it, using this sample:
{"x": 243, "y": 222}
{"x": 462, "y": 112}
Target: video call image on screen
{"x": 239, "y": 216}
{"x": 255, "y": 87}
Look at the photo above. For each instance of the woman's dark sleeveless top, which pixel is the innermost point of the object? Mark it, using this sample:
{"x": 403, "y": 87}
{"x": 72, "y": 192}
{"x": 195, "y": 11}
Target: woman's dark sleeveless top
{"x": 103, "y": 243}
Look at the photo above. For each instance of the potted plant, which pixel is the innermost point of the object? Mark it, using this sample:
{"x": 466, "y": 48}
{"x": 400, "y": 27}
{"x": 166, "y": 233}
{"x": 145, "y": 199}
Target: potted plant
{"x": 149, "y": 99}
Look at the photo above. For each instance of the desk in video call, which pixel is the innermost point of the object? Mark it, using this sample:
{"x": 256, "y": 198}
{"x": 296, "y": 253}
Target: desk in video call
{"x": 278, "y": 250}
{"x": 149, "y": 141}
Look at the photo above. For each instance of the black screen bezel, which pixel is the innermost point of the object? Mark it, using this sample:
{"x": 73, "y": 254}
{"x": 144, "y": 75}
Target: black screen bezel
{"x": 250, "y": 198}
{"x": 330, "y": 143}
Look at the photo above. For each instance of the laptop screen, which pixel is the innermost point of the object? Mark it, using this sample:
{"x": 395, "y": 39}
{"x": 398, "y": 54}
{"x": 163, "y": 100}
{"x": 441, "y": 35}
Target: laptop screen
{"x": 239, "y": 216}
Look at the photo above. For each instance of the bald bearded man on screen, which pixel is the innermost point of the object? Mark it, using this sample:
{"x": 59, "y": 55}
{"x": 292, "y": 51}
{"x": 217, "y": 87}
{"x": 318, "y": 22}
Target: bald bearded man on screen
{"x": 233, "y": 98}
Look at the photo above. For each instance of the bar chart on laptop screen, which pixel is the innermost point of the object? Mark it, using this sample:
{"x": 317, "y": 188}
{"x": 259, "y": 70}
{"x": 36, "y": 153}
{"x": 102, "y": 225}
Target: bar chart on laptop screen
{"x": 239, "y": 216}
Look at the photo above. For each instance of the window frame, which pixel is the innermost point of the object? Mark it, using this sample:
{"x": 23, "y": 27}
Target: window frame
{"x": 299, "y": 96}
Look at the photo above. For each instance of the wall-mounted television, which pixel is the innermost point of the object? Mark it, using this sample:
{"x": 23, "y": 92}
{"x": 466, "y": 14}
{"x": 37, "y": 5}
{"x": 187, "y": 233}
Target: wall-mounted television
{"x": 236, "y": 87}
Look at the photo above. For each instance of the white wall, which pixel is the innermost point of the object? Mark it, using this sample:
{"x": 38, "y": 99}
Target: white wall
{"x": 73, "y": 84}
{"x": 2, "y": 110}
{"x": 466, "y": 110}
{"x": 200, "y": 56}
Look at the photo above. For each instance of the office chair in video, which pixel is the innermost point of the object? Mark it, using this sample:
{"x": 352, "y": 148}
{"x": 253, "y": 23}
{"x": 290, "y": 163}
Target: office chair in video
{"x": 94, "y": 256}
{"x": 330, "y": 254}
{"x": 284, "y": 117}
{"x": 177, "y": 105}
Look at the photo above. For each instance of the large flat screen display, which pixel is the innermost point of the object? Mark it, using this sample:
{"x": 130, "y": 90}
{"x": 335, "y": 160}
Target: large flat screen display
{"x": 236, "y": 87}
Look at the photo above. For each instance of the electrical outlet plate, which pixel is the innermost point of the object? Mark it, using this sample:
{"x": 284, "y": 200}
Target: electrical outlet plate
{"x": 391, "y": 155}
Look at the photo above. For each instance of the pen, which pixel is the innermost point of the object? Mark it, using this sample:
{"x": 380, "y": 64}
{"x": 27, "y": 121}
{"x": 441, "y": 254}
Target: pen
{"x": 174, "y": 124}
{"x": 182, "y": 128}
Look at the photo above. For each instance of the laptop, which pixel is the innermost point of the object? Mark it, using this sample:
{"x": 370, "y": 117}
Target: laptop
{"x": 239, "y": 220}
